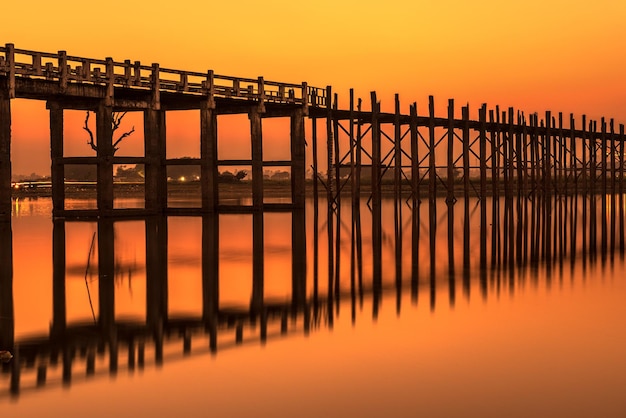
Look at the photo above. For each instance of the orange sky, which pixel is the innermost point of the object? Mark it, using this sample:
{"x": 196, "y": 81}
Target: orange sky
{"x": 534, "y": 55}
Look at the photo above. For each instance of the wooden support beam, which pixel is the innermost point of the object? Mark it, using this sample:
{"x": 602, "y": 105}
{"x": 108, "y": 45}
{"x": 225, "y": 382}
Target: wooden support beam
{"x": 376, "y": 195}
{"x": 466, "y": 152}
{"x": 450, "y": 164}
{"x": 432, "y": 144}
{"x": 256, "y": 134}
{"x": 10, "y": 60}
{"x": 397, "y": 145}
{"x": 208, "y": 155}
{"x": 5, "y": 155}
{"x": 298, "y": 156}
{"x": 57, "y": 170}
{"x": 415, "y": 172}
{"x": 155, "y": 168}
{"x": 104, "y": 135}
{"x": 482, "y": 153}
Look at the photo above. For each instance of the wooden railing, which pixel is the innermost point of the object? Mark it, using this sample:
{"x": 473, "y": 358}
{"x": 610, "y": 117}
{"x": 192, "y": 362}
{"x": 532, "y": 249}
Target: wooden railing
{"x": 68, "y": 69}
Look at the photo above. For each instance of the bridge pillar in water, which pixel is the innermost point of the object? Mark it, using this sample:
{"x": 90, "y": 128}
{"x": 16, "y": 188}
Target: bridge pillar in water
{"x": 208, "y": 157}
{"x": 57, "y": 171}
{"x": 154, "y": 148}
{"x": 104, "y": 135}
{"x": 5, "y": 155}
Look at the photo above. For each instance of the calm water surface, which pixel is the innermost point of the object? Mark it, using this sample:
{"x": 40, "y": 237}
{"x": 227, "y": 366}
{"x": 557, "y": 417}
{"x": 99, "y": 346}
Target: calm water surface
{"x": 440, "y": 340}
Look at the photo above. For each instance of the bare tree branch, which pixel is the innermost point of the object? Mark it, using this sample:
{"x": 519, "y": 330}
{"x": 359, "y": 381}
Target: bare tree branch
{"x": 124, "y": 135}
{"x": 116, "y": 122}
{"x": 91, "y": 142}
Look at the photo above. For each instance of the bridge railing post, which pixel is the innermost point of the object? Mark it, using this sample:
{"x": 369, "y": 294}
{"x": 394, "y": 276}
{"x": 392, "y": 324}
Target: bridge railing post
{"x": 62, "y": 70}
{"x": 10, "y": 62}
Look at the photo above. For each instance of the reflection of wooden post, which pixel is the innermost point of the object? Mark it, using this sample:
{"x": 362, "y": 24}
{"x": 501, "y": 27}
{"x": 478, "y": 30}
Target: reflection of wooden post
{"x": 156, "y": 175}
{"x": 210, "y": 265}
{"x": 104, "y": 135}
{"x": 5, "y": 155}
{"x": 106, "y": 273}
{"x": 451, "y": 243}
{"x": 57, "y": 171}
{"x": 298, "y": 257}
{"x": 257, "y": 262}
{"x": 58, "y": 277}
{"x": 156, "y": 271}
{"x": 7, "y": 319}
{"x": 208, "y": 155}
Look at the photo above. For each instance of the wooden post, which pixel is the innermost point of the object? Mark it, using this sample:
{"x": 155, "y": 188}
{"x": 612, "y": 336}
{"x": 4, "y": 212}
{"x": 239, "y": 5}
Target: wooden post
{"x": 10, "y": 59}
{"x": 56, "y": 153}
{"x": 482, "y": 139}
{"x": 104, "y": 134}
{"x": 451, "y": 140}
{"x": 466, "y": 152}
{"x": 397, "y": 145}
{"x": 482, "y": 116}
{"x": 432, "y": 141}
{"x": 376, "y": 195}
{"x": 5, "y": 155}
{"x": 415, "y": 171}
{"x": 208, "y": 156}
{"x": 256, "y": 134}
{"x": 155, "y": 169}
{"x": 298, "y": 155}
{"x": 604, "y": 169}
{"x": 298, "y": 221}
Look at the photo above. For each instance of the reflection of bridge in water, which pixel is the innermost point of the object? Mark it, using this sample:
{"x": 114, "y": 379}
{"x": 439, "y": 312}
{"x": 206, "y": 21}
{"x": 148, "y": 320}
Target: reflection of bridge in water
{"x": 545, "y": 193}
{"x": 433, "y": 248}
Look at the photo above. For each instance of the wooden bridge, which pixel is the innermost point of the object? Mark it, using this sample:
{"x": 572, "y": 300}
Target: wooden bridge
{"x": 497, "y": 152}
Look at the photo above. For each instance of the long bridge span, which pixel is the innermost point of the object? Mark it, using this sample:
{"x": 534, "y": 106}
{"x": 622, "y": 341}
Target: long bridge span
{"x": 501, "y": 151}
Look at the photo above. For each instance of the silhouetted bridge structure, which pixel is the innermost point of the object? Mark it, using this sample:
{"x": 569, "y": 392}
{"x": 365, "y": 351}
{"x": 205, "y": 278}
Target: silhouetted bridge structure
{"x": 500, "y": 151}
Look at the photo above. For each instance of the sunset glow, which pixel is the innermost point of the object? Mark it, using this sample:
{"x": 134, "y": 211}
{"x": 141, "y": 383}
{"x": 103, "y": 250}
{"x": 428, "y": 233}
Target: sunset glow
{"x": 532, "y": 55}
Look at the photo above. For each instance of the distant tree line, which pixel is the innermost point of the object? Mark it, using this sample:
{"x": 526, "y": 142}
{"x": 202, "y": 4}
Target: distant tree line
{"x": 137, "y": 173}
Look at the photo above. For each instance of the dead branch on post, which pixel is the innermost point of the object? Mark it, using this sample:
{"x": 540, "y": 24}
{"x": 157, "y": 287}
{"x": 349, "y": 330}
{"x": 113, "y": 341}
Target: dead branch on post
{"x": 117, "y": 121}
